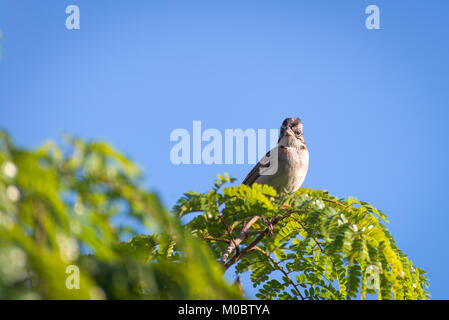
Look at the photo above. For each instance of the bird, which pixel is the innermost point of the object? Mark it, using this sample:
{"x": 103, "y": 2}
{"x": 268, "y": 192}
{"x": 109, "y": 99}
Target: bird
{"x": 285, "y": 166}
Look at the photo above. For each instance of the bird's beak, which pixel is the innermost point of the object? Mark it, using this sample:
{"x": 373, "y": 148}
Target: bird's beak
{"x": 289, "y": 133}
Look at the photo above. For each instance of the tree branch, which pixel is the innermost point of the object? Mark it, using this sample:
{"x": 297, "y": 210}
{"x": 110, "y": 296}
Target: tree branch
{"x": 228, "y": 231}
{"x": 259, "y": 238}
{"x": 242, "y": 236}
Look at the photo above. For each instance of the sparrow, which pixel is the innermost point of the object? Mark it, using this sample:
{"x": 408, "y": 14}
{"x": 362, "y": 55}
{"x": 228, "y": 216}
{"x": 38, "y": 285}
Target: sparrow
{"x": 285, "y": 166}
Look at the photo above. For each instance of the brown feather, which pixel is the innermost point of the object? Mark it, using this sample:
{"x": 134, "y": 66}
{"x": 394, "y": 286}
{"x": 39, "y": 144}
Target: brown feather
{"x": 254, "y": 173}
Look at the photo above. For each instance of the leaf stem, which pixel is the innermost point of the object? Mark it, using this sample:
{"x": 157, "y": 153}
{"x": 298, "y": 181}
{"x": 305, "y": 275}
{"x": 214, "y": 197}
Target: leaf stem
{"x": 278, "y": 267}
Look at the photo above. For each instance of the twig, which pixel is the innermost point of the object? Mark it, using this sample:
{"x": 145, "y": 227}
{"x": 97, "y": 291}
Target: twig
{"x": 216, "y": 239}
{"x": 276, "y": 264}
{"x": 242, "y": 236}
{"x": 238, "y": 283}
{"x": 335, "y": 202}
{"x": 228, "y": 231}
{"x": 251, "y": 246}
{"x": 304, "y": 228}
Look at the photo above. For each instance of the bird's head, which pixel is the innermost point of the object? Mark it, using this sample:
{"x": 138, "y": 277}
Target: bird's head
{"x": 291, "y": 132}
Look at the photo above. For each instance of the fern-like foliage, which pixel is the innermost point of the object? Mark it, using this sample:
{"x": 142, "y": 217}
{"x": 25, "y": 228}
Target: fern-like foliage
{"x": 59, "y": 210}
{"x": 320, "y": 247}
{"x": 58, "y": 213}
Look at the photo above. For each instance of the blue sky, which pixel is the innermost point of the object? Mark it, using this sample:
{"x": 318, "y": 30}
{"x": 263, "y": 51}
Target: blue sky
{"x": 374, "y": 103}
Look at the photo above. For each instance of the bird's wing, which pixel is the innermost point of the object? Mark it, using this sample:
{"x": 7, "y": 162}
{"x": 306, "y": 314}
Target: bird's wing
{"x": 254, "y": 174}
